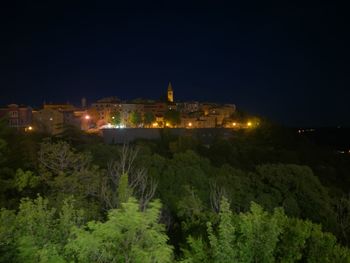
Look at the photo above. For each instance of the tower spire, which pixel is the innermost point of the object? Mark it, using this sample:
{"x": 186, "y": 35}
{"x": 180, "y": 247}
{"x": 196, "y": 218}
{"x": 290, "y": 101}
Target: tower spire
{"x": 170, "y": 93}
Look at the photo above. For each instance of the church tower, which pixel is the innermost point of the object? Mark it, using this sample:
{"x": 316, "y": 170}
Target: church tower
{"x": 170, "y": 93}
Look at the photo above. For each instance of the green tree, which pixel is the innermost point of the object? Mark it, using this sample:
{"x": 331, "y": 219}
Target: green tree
{"x": 172, "y": 117}
{"x": 148, "y": 118}
{"x": 8, "y": 249}
{"x": 116, "y": 118}
{"x": 124, "y": 191}
{"x": 259, "y": 236}
{"x": 293, "y": 239}
{"x": 38, "y": 233}
{"x": 25, "y": 179}
{"x": 135, "y": 118}
{"x": 128, "y": 235}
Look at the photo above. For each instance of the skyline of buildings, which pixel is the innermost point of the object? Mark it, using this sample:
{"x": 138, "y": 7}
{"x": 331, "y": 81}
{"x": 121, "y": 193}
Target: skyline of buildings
{"x": 111, "y": 112}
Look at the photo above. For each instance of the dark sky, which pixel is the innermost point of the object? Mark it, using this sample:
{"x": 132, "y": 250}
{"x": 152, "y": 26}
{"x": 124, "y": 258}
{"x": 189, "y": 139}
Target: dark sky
{"x": 286, "y": 61}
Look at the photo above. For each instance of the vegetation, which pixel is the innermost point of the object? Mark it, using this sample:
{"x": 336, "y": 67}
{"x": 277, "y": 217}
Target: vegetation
{"x": 172, "y": 117}
{"x": 266, "y": 196}
{"x": 116, "y": 118}
{"x": 148, "y": 118}
{"x": 135, "y": 118}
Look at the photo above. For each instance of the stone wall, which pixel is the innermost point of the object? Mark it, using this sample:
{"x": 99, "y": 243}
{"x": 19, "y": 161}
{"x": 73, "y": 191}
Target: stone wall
{"x": 126, "y": 135}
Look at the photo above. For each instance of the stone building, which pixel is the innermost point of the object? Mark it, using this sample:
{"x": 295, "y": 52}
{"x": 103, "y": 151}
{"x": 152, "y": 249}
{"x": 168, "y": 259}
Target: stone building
{"x": 18, "y": 116}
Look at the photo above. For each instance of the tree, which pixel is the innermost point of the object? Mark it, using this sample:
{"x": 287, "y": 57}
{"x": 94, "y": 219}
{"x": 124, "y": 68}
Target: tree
{"x": 25, "y": 179}
{"x": 148, "y": 118}
{"x": 124, "y": 178}
{"x": 343, "y": 217}
{"x": 115, "y": 118}
{"x": 135, "y": 118}
{"x": 259, "y": 236}
{"x": 38, "y": 232}
{"x": 172, "y": 117}
{"x": 128, "y": 235}
{"x": 2, "y": 150}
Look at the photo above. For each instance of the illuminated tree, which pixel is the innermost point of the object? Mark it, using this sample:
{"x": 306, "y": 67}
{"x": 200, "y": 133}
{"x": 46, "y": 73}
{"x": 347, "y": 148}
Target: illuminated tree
{"x": 115, "y": 118}
{"x": 135, "y": 118}
{"x": 148, "y": 118}
{"x": 172, "y": 117}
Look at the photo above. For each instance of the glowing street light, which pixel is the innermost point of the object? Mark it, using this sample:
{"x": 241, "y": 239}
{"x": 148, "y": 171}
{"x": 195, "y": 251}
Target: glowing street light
{"x": 249, "y": 124}
{"x": 190, "y": 124}
{"x": 28, "y": 129}
{"x": 234, "y": 124}
{"x": 87, "y": 117}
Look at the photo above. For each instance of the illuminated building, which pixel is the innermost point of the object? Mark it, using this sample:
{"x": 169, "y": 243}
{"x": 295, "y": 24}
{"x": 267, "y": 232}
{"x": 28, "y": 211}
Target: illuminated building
{"x": 18, "y": 116}
{"x": 170, "y": 94}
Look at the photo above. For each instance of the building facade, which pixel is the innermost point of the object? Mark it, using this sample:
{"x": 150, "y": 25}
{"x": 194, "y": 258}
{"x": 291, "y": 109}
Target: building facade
{"x": 18, "y": 116}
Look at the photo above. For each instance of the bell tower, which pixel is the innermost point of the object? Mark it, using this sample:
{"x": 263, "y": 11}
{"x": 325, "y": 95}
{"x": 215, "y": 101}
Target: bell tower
{"x": 170, "y": 93}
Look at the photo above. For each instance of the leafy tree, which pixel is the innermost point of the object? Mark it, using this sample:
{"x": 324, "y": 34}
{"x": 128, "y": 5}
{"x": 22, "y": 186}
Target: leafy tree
{"x": 124, "y": 191}
{"x": 8, "y": 249}
{"x": 191, "y": 211}
{"x": 135, "y": 118}
{"x": 172, "y": 117}
{"x": 323, "y": 247}
{"x": 26, "y": 179}
{"x": 116, "y": 118}
{"x": 66, "y": 172}
{"x": 293, "y": 240}
{"x": 2, "y": 150}
{"x": 148, "y": 118}
{"x": 259, "y": 236}
{"x": 38, "y": 233}
{"x": 128, "y": 235}
{"x": 343, "y": 218}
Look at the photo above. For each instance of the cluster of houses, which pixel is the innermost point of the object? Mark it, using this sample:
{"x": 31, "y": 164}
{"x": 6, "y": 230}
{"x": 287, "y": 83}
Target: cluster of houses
{"x": 52, "y": 118}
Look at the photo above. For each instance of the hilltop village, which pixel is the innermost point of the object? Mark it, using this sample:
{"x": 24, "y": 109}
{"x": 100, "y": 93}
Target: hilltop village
{"x": 113, "y": 113}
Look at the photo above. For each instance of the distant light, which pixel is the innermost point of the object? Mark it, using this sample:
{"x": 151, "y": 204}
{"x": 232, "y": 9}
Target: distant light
{"x": 29, "y": 128}
{"x": 190, "y": 124}
{"x": 167, "y": 124}
{"x": 234, "y": 124}
{"x": 249, "y": 124}
{"x": 113, "y": 117}
{"x": 87, "y": 117}
{"x": 51, "y": 119}
{"x": 154, "y": 124}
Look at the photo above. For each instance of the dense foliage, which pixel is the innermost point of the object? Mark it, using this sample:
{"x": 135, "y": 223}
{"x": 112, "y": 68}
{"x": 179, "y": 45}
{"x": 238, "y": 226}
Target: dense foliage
{"x": 263, "y": 196}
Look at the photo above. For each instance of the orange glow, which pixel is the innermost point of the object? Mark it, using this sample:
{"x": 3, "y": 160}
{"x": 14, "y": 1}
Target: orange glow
{"x": 87, "y": 117}
{"x": 234, "y": 124}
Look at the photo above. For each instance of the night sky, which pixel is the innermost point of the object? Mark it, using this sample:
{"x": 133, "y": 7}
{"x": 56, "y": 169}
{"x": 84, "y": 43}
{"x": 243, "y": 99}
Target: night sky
{"x": 285, "y": 61}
